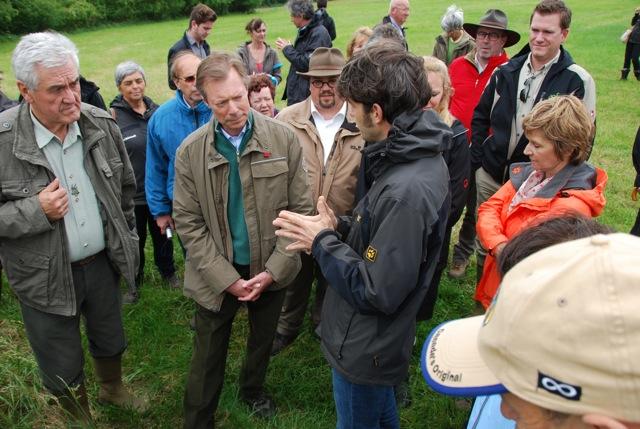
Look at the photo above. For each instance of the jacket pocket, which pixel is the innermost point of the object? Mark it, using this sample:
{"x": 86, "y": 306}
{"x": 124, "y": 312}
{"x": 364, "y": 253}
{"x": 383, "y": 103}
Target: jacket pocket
{"x": 18, "y": 189}
{"x": 28, "y": 274}
{"x": 270, "y": 181}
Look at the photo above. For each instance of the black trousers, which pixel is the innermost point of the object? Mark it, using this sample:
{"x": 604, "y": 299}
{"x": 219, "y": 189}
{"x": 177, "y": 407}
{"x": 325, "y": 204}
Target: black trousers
{"x": 55, "y": 340}
{"x": 210, "y": 347}
{"x": 631, "y": 55}
{"x": 162, "y": 247}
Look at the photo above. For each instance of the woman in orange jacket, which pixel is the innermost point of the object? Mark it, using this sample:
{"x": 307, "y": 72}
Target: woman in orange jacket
{"x": 557, "y": 180}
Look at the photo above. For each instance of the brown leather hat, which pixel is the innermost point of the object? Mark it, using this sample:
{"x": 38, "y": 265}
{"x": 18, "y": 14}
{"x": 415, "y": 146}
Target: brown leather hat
{"x": 325, "y": 62}
{"x": 494, "y": 18}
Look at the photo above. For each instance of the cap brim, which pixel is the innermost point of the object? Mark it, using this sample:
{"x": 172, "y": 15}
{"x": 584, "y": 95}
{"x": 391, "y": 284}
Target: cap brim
{"x": 451, "y": 363}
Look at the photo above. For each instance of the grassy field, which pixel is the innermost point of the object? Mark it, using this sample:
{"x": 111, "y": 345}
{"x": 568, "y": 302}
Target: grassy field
{"x": 299, "y": 379}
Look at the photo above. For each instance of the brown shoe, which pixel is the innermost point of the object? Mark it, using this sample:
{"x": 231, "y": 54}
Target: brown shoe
{"x": 458, "y": 269}
{"x": 112, "y": 390}
{"x": 75, "y": 403}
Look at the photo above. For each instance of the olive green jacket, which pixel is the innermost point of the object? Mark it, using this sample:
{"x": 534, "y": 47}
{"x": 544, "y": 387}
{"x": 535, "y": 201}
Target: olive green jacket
{"x": 272, "y": 180}
{"x": 33, "y": 250}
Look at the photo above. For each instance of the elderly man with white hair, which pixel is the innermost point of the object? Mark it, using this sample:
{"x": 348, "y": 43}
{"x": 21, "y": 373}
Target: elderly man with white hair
{"x": 398, "y": 14}
{"x": 67, "y": 227}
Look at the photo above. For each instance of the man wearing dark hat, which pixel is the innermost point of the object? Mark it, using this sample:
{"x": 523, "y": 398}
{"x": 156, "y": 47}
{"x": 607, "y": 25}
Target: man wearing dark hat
{"x": 540, "y": 70}
{"x": 469, "y": 75}
{"x": 331, "y": 148}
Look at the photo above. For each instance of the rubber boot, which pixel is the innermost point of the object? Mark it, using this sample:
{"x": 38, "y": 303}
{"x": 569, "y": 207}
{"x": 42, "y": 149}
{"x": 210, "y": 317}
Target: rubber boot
{"x": 112, "y": 390}
{"x": 623, "y": 74}
{"x": 637, "y": 74}
{"x": 76, "y": 404}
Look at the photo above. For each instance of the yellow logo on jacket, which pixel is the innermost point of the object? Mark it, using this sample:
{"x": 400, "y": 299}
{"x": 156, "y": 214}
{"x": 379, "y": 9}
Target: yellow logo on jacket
{"x": 370, "y": 254}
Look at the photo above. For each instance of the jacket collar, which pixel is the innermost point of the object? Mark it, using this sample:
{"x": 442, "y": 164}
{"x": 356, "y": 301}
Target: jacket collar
{"x": 581, "y": 176}
{"x": 258, "y": 142}
{"x": 303, "y": 119}
{"x": 201, "y": 107}
{"x": 26, "y": 148}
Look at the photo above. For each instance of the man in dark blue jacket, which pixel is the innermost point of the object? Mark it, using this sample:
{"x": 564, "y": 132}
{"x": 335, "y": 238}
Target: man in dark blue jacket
{"x": 311, "y": 35}
{"x": 379, "y": 261}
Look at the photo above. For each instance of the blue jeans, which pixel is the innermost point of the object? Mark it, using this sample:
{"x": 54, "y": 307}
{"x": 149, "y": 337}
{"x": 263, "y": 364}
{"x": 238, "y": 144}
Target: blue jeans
{"x": 361, "y": 406}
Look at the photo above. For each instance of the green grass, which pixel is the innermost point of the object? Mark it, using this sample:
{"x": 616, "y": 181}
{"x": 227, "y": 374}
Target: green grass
{"x": 159, "y": 350}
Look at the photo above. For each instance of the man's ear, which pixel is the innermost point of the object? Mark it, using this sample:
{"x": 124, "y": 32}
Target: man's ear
{"x": 24, "y": 91}
{"x": 377, "y": 115}
{"x": 192, "y": 23}
{"x": 598, "y": 421}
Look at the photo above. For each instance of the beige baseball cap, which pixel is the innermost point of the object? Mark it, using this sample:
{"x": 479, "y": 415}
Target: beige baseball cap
{"x": 563, "y": 333}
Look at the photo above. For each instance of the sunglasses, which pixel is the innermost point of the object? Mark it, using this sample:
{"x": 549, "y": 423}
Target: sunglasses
{"x": 188, "y": 79}
{"x": 524, "y": 94}
{"x": 319, "y": 83}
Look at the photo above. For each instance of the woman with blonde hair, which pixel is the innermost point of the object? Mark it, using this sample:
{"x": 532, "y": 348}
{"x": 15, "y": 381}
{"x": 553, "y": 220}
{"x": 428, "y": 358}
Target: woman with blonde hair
{"x": 557, "y": 180}
{"x": 358, "y": 40}
{"x": 457, "y": 158}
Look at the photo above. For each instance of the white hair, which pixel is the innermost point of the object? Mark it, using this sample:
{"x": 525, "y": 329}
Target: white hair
{"x": 47, "y": 49}
{"x": 452, "y": 19}
{"x": 127, "y": 68}
{"x": 395, "y": 3}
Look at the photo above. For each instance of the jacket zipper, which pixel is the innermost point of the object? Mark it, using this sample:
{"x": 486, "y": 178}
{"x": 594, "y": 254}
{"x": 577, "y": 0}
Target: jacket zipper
{"x": 344, "y": 339}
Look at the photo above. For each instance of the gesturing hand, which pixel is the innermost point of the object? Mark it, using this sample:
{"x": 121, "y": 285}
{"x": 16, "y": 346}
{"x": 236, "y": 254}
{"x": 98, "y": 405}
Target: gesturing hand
{"x": 304, "y": 229}
{"x": 54, "y": 200}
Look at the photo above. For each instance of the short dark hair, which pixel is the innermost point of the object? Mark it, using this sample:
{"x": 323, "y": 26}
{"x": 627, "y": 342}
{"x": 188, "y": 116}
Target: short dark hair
{"x": 551, "y": 7}
{"x": 545, "y": 233}
{"x": 202, "y": 13}
{"x": 388, "y": 76}
{"x": 259, "y": 81}
{"x": 321, "y": 3}
{"x": 254, "y": 25}
{"x": 303, "y": 8}
{"x": 216, "y": 67}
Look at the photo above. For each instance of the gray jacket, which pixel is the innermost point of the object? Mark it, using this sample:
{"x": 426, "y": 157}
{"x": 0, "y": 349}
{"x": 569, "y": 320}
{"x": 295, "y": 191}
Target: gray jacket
{"x": 34, "y": 250}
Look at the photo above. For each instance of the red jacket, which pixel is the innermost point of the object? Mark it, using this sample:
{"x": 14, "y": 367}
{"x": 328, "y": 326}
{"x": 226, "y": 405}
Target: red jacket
{"x": 576, "y": 189}
{"x": 468, "y": 85}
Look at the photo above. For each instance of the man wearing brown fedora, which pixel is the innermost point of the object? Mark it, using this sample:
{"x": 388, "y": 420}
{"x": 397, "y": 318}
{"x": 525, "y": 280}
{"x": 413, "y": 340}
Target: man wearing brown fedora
{"x": 542, "y": 69}
{"x": 331, "y": 147}
{"x": 469, "y": 75}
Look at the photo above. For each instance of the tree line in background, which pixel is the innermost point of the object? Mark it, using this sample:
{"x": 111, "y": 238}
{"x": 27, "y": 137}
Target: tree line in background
{"x": 26, "y": 16}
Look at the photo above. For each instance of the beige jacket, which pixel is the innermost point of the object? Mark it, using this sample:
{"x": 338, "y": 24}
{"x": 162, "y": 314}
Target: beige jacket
{"x": 337, "y": 180}
{"x": 272, "y": 179}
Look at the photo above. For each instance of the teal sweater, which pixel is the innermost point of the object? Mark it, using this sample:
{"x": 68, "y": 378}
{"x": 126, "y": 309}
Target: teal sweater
{"x": 235, "y": 208}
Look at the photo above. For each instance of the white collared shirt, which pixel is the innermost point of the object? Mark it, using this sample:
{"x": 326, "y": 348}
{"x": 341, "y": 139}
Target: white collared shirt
{"x": 327, "y": 128}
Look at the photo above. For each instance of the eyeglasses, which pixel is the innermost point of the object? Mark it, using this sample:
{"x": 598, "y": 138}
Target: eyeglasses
{"x": 188, "y": 79}
{"x": 524, "y": 94}
{"x": 491, "y": 36}
{"x": 319, "y": 83}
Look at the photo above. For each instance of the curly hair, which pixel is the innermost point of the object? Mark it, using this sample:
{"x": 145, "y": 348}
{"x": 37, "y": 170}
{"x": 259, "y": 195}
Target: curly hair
{"x": 384, "y": 74}
{"x": 564, "y": 120}
{"x": 259, "y": 81}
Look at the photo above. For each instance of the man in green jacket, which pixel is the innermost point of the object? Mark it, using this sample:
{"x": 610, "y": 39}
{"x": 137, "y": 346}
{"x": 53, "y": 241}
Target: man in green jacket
{"x": 232, "y": 177}
{"x": 67, "y": 228}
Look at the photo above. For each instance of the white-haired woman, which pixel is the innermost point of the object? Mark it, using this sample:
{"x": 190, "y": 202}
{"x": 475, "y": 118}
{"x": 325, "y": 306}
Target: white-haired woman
{"x": 454, "y": 42}
{"x": 132, "y": 110}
